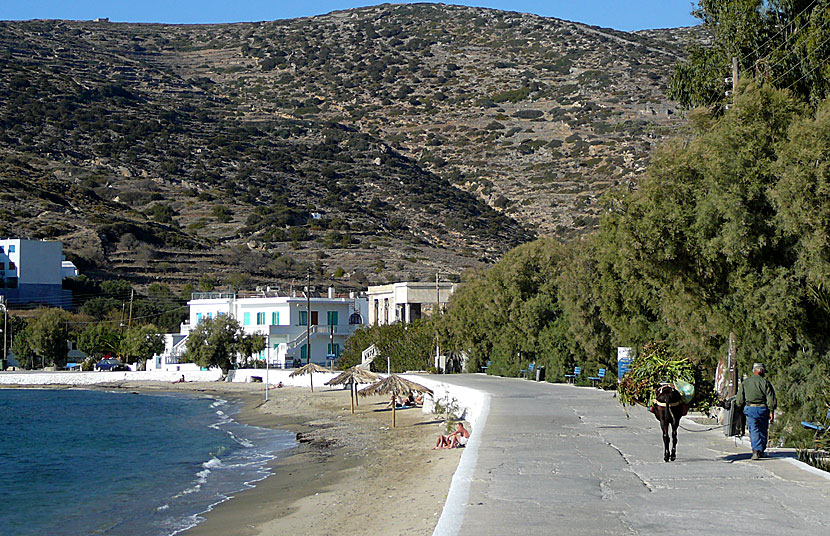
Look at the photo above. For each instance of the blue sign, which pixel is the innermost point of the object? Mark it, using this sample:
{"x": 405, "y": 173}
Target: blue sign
{"x": 625, "y": 356}
{"x": 577, "y": 370}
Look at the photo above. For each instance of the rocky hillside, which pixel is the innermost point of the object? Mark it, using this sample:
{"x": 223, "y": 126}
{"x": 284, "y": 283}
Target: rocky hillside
{"x": 367, "y": 145}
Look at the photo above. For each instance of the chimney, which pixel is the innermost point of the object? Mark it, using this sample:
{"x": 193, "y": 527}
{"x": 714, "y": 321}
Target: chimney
{"x": 331, "y": 293}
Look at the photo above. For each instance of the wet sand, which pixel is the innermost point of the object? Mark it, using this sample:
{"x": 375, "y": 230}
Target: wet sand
{"x": 350, "y": 474}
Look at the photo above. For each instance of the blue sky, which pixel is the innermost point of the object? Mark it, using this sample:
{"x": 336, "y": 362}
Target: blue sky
{"x": 620, "y": 14}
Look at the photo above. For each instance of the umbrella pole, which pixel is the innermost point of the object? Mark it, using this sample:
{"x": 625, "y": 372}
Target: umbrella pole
{"x": 393, "y": 411}
{"x": 351, "y": 394}
{"x": 311, "y": 380}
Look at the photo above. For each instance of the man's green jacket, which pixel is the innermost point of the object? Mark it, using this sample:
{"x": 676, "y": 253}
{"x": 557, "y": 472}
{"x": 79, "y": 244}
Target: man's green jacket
{"x": 756, "y": 390}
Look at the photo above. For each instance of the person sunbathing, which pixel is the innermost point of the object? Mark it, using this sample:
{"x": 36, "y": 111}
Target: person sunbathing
{"x": 399, "y": 403}
{"x": 457, "y": 439}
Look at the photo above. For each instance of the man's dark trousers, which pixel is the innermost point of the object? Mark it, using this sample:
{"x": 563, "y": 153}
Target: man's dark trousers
{"x": 757, "y": 420}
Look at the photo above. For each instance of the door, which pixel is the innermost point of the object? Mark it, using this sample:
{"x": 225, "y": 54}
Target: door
{"x": 314, "y": 315}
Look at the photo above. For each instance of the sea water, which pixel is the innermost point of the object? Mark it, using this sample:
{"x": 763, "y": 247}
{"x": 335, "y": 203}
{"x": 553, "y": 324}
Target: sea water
{"x": 78, "y": 462}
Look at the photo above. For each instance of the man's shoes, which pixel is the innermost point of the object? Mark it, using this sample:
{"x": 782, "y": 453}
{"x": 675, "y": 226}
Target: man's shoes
{"x": 761, "y": 454}
{"x": 756, "y": 455}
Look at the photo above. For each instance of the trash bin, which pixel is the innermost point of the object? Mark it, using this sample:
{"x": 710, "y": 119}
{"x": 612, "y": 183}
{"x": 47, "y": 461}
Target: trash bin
{"x": 734, "y": 422}
{"x": 540, "y": 374}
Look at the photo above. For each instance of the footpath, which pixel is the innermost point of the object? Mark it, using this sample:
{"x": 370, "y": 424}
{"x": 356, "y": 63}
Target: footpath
{"x": 558, "y": 459}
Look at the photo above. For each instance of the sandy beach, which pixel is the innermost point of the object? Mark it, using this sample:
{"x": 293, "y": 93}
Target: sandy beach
{"x": 350, "y": 474}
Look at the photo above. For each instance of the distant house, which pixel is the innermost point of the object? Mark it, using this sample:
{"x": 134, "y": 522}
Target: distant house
{"x": 406, "y": 302}
{"x": 32, "y": 271}
{"x": 284, "y": 320}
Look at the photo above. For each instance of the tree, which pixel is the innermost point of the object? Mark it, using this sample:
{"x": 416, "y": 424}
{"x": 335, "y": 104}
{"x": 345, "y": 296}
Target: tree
{"x": 48, "y": 335}
{"x": 251, "y": 345}
{"x": 222, "y": 214}
{"x": 98, "y": 340}
{"x": 216, "y": 342}
{"x": 408, "y": 346}
{"x": 511, "y": 314}
{"x": 22, "y": 349}
{"x": 783, "y": 43}
{"x": 727, "y": 233}
{"x": 141, "y": 343}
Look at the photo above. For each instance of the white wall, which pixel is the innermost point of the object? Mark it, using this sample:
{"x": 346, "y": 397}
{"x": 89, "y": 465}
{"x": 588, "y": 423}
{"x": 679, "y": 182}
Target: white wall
{"x": 39, "y": 263}
{"x": 92, "y": 378}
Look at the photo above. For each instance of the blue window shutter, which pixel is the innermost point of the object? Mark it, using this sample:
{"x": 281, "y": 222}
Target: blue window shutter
{"x": 246, "y": 319}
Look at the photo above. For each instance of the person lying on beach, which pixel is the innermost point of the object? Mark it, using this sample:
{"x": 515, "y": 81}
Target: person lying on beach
{"x": 419, "y": 399}
{"x": 399, "y": 403}
{"x": 456, "y": 439}
{"x": 180, "y": 380}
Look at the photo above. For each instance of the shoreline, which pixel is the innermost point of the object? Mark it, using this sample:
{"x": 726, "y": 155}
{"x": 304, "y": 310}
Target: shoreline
{"x": 350, "y": 467}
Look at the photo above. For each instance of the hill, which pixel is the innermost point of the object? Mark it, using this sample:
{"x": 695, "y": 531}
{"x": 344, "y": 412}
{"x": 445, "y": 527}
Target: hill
{"x": 366, "y": 145}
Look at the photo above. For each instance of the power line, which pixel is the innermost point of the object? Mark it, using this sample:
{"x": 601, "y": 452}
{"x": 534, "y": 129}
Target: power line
{"x": 759, "y": 47}
{"x": 742, "y": 58}
{"x": 780, "y": 77}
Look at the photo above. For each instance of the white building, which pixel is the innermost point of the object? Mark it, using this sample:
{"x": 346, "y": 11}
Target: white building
{"x": 32, "y": 271}
{"x": 406, "y": 302}
{"x": 285, "y": 321}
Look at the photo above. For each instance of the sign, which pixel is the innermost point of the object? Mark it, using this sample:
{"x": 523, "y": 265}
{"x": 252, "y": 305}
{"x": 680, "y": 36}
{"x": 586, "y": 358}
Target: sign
{"x": 625, "y": 355}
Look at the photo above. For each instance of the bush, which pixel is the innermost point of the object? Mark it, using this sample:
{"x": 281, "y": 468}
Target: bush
{"x": 529, "y": 114}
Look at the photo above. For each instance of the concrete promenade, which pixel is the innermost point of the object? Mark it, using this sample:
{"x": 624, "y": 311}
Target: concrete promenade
{"x": 558, "y": 459}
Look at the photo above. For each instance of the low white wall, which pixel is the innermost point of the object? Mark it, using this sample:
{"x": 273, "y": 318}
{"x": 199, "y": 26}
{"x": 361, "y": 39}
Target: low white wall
{"x": 92, "y": 378}
{"x": 468, "y": 402}
{"x": 277, "y": 375}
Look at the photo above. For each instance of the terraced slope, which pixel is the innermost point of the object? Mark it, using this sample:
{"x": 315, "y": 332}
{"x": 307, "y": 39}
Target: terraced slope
{"x": 371, "y": 144}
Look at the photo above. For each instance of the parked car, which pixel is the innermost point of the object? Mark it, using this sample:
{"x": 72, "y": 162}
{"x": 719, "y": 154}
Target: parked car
{"x": 111, "y": 364}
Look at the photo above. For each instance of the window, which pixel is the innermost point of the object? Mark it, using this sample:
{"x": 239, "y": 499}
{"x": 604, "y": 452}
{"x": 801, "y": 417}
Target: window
{"x": 331, "y": 318}
{"x": 246, "y": 319}
{"x": 304, "y": 351}
{"x": 260, "y": 319}
{"x": 11, "y": 249}
{"x": 303, "y": 318}
{"x": 11, "y": 265}
{"x": 314, "y": 319}
{"x": 210, "y": 315}
{"x": 198, "y": 317}
{"x": 2, "y": 266}
{"x": 275, "y": 318}
{"x": 334, "y": 349}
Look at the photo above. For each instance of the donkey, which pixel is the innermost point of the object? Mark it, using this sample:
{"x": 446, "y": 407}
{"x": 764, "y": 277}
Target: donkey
{"x": 668, "y": 408}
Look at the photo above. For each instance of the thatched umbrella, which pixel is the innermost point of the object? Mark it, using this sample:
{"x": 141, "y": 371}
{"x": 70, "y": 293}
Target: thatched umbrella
{"x": 351, "y": 377}
{"x": 396, "y": 386}
{"x": 310, "y": 369}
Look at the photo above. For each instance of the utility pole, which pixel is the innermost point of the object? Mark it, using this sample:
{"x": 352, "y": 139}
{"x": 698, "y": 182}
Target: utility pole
{"x": 130, "y": 321}
{"x": 308, "y": 318}
{"x": 734, "y": 80}
{"x": 437, "y": 309}
{"x": 331, "y": 342}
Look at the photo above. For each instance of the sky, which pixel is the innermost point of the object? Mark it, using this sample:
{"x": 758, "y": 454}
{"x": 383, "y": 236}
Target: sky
{"x": 627, "y": 15}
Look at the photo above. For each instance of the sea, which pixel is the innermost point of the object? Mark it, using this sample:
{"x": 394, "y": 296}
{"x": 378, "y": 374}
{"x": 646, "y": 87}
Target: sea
{"x": 75, "y": 462}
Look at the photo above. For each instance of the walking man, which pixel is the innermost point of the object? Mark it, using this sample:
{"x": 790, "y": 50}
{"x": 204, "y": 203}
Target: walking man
{"x": 757, "y": 397}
